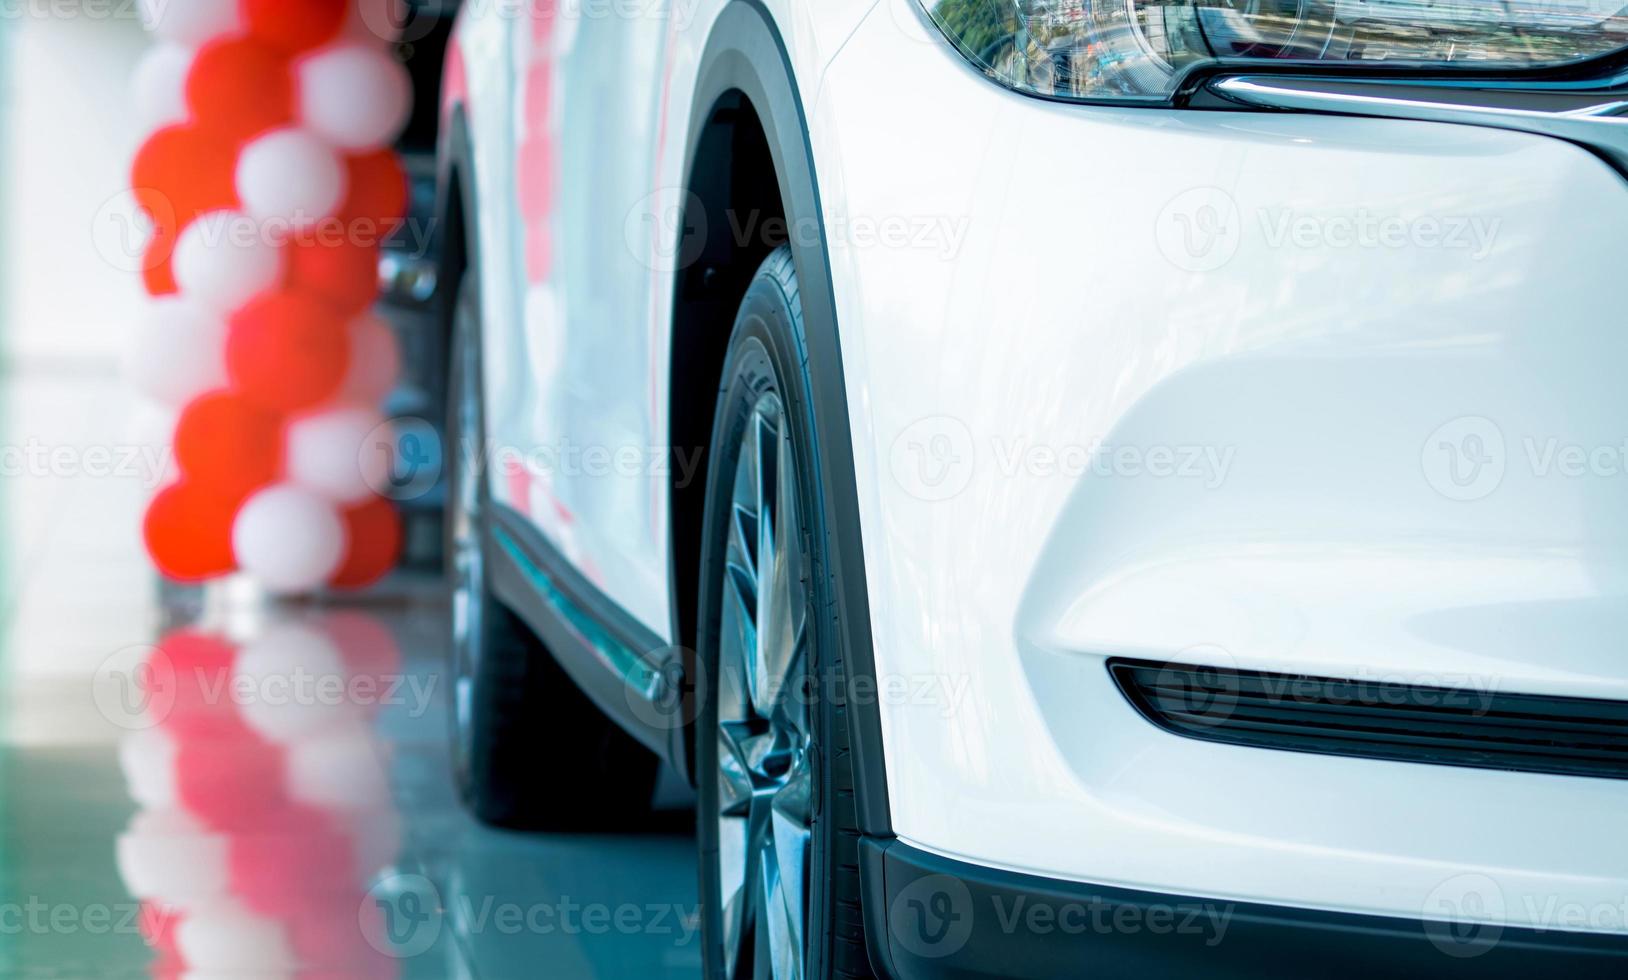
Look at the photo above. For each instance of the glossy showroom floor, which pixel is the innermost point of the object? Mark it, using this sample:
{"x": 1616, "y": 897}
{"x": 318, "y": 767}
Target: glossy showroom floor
{"x": 348, "y": 855}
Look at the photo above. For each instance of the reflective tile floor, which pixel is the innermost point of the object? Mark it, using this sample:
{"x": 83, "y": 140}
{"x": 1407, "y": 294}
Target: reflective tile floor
{"x": 202, "y": 783}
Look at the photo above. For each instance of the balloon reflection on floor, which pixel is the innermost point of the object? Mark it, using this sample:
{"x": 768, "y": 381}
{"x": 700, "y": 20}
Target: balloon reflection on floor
{"x": 265, "y": 799}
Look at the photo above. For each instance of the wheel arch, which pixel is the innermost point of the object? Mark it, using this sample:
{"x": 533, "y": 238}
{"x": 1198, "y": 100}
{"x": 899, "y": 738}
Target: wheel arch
{"x": 454, "y": 240}
{"x": 745, "y": 80}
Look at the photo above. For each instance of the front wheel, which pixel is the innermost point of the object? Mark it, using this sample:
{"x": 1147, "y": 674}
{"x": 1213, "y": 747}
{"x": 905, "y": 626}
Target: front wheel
{"x": 780, "y": 892}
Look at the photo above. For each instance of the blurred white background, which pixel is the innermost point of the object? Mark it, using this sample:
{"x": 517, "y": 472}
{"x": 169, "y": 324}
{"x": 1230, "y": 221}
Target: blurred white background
{"x": 68, "y": 138}
{"x": 70, "y": 540}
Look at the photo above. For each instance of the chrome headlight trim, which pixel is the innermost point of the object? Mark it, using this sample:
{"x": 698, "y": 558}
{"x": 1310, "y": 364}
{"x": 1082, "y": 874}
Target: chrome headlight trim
{"x": 1593, "y": 115}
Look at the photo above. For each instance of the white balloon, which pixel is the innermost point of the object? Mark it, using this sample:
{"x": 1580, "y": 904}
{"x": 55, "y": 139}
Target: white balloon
{"x": 224, "y": 259}
{"x": 150, "y": 430}
{"x": 325, "y": 454}
{"x": 289, "y": 539}
{"x": 339, "y": 771}
{"x": 292, "y": 683}
{"x": 147, "y": 759}
{"x": 190, "y": 21}
{"x": 158, "y": 87}
{"x": 177, "y": 352}
{"x": 225, "y": 936}
{"x": 375, "y": 361}
{"x": 166, "y": 821}
{"x": 290, "y": 176}
{"x": 169, "y": 856}
{"x": 355, "y": 96}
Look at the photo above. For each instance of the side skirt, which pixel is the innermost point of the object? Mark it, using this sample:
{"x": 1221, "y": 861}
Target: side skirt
{"x": 628, "y": 671}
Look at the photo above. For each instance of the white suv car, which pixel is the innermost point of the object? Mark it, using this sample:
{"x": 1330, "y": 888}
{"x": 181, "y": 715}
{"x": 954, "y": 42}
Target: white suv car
{"x": 1081, "y": 487}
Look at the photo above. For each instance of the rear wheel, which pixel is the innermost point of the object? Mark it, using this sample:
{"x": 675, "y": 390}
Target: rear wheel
{"x": 780, "y": 893}
{"x": 530, "y": 750}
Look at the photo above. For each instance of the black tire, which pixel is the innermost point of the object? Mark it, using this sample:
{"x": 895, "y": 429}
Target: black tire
{"x": 530, "y": 750}
{"x": 768, "y": 354}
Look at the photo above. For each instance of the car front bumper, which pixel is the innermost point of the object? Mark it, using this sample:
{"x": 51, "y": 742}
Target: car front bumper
{"x": 1137, "y": 384}
{"x": 931, "y": 916}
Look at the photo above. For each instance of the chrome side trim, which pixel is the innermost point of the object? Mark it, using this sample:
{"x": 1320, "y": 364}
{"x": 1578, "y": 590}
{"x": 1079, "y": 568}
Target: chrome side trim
{"x": 642, "y": 678}
{"x": 1592, "y": 117}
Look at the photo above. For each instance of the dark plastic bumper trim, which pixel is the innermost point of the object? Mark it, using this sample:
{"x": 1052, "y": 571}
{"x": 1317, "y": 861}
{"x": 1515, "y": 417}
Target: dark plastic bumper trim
{"x": 931, "y": 916}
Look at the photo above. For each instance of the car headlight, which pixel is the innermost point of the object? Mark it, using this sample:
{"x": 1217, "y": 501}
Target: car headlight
{"x": 1140, "y": 50}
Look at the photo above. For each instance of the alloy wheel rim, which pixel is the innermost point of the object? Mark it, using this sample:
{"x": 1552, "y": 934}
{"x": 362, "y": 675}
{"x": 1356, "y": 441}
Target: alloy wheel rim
{"x": 765, "y": 778}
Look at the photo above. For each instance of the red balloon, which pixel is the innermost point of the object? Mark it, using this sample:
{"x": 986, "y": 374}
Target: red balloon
{"x": 166, "y": 967}
{"x": 183, "y": 171}
{"x": 343, "y": 273}
{"x": 229, "y": 782}
{"x": 324, "y": 929}
{"x": 287, "y": 350}
{"x": 188, "y": 531}
{"x": 374, "y": 543}
{"x": 157, "y": 922}
{"x": 535, "y": 180}
{"x": 294, "y": 25}
{"x": 378, "y": 193}
{"x": 239, "y": 86}
{"x": 285, "y": 857}
{"x": 229, "y": 444}
{"x": 157, "y": 274}
{"x": 201, "y": 664}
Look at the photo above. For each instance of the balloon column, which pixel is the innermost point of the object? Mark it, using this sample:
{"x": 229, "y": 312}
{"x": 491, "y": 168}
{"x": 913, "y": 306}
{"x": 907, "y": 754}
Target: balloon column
{"x": 269, "y": 183}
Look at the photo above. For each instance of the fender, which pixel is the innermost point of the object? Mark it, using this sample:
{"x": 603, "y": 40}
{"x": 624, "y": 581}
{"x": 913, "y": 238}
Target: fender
{"x": 746, "y": 55}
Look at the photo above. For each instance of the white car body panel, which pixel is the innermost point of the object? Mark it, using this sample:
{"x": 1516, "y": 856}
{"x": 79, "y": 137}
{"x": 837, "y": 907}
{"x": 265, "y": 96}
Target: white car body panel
{"x": 1010, "y": 274}
{"x": 578, "y": 294}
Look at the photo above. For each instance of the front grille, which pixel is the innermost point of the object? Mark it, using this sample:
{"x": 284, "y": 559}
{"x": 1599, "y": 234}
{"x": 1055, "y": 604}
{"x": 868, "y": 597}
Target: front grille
{"x": 1408, "y": 723}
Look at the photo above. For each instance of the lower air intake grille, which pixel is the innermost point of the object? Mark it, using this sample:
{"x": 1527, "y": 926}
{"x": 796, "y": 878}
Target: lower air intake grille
{"x": 1438, "y": 725}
